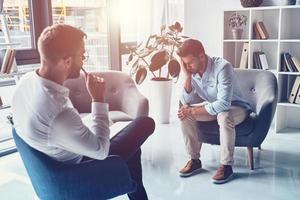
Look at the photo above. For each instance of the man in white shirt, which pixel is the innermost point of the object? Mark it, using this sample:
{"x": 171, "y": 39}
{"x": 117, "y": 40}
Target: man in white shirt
{"x": 212, "y": 81}
{"x": 45, "y": 118}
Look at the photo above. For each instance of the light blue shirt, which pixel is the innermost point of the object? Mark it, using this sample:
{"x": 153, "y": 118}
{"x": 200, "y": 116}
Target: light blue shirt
{"x": 218, "y": 86}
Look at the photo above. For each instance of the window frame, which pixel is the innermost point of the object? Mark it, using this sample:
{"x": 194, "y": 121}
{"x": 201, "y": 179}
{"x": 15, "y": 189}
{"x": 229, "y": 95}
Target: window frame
{"x": 40, "y": 17}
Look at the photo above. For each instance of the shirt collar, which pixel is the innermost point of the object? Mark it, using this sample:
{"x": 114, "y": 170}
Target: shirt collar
{"x": 52, "y": 85}
{"x": 207, "y": 71}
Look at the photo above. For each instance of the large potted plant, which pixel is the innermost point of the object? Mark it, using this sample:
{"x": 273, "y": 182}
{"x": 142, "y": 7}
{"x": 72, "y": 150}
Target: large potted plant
{"x": 157, "y": 56}
{"x": 237, "y": 22}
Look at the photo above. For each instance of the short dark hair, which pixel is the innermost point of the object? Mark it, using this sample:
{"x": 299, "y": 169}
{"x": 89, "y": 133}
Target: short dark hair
{"x": 58, "y": 41}
{"x": 190, "y": 47}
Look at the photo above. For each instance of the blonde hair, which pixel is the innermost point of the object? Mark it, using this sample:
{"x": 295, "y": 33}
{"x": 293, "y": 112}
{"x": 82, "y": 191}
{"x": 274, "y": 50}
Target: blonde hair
{"x": 190, "y": 47}
{"x": 59, "y": 41}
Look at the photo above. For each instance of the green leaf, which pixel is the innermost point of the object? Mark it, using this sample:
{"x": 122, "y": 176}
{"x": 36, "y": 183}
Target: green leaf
{"x": 178, "y": 27}
{"x": 158, "y": 60}
{"x": 172, "y": 28}
{"x": 134, "y": 67}
{"x": 140, "y": 75}
{"x": 130, "y": 57}
{"x": 139, "y": 45}
{"x": 162, "y": 28}
{"x": 174, "y": 68}
{"x": 184, "y": 37}
{"x": 147, "y": 53}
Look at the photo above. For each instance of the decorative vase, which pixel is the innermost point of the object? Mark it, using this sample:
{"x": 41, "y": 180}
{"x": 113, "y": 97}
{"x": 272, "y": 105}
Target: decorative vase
{"x": 237, "y": 33}
{"x": 251, "y": 3}
{"x": 160, "y": 103}
{"x": 290, "y": 2}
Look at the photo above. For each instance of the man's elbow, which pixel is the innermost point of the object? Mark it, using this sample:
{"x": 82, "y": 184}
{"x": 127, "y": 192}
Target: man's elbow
{"x": 102, "y": 152}
{"x": 223, "y": 106}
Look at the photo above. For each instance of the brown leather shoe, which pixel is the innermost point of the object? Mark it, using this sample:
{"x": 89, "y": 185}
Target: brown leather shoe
{"x": 223, "y": 175}
{"x": 192, "y": 167}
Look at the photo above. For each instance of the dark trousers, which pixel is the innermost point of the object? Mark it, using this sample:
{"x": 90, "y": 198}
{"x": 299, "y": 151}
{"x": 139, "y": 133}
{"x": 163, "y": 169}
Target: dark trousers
{"x": 126, "y": 144}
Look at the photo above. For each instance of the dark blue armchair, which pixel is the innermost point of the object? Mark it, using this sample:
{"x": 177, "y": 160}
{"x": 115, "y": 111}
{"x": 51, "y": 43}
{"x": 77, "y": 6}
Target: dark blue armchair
{"x": 260, "y": 90}
{"x": 90, "y": 180}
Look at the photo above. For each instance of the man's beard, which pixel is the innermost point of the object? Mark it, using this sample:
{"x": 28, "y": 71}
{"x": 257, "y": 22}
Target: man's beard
{"x": 75, "y": 72}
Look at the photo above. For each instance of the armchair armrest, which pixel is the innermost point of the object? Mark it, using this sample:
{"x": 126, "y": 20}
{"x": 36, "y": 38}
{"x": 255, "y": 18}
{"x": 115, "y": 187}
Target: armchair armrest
{"x": 134, "y": 103}
{"x": 263, "y": 122}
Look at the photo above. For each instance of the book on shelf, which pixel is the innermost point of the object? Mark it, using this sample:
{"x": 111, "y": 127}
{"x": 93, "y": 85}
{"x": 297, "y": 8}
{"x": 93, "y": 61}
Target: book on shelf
{"x": 255, "y": 32}
{"x": 297, "y": 100}
{"x": 295, "y": 90}
{"x": 263, "y": 61}
{"x": 263, "y": 33}
{"x": 289, "y": 56}
{"x": 244, "y": 56}
{"x": 287, "y": 63}
{"x": 283, "y": 64}
{"x": 11, "y": 61}
{"x": 260, "y": 60}
{"x": 296, "y": 63}
{"x": 7, "y": 58}
{"x": 4, "y": 59}
{"x": 255, "y": 60}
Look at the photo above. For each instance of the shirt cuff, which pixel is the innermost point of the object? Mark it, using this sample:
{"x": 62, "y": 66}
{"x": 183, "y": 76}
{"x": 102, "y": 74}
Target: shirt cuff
{"x": 99, "y": 108}
{"x": 209, "y": 108}
{"x": 186, "y": 98}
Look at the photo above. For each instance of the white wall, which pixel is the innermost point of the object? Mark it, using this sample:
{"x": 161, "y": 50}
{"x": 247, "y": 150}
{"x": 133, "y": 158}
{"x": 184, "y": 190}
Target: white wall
{"x": 203, "y": 21}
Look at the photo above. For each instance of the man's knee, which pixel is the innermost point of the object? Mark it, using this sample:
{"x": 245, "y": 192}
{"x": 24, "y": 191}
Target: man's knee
{"x": 187, "y": 122}
{"x": 188, "y": 127}
{"x": 147, "y": 123}
{"x": 225, "y": 119}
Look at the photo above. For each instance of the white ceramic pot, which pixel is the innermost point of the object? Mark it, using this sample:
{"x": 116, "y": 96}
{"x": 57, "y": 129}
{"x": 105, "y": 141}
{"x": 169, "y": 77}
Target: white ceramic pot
{"x": 237, "y": 33}
{"x": 160, "y": 100}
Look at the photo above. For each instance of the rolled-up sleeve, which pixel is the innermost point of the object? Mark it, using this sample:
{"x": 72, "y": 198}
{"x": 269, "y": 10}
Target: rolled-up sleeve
{"x": 187, "y": 98}
{"x": 91, "y": 140}
{"x": 224, "y": 93}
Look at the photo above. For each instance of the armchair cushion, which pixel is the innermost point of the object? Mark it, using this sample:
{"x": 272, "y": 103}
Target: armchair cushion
{"x": 117, "y": 116}
{"x": 243, "y": 128}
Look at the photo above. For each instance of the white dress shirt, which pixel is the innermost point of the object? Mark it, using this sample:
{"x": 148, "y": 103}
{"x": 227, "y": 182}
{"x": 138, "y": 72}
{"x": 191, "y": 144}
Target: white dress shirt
{"x": 45, "y": 118}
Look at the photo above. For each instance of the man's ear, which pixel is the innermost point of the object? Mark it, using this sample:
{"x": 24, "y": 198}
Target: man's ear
{"x": 201, "y": 55}
{"x": 182, "y": 62}
{"x": 68, "y": 63}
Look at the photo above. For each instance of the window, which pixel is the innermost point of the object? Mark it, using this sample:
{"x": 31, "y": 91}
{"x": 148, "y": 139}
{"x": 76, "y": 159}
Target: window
{"x": 16, "y": 14}
{"x": 91, "y": 17}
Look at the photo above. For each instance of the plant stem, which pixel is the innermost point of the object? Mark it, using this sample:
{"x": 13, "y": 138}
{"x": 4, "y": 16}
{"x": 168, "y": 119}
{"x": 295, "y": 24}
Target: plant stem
{"x": 144, "y": 61}
{"x": 173, "y": 46}
{"x": 172, "y": 51}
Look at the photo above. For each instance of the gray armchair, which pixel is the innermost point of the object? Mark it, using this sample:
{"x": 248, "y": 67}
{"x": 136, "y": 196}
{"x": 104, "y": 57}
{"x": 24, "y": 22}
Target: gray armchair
{"x": 260, "y": 90}
{"x": 124, "y": 99}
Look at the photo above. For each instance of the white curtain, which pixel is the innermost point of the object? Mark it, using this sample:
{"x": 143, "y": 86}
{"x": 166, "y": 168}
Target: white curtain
{"x": 140, "y": 18}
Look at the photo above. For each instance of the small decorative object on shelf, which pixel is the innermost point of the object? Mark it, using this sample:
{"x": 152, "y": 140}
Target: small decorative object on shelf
{"x": 251, "y": 3}
{"x": 289, "y": 2}
{"x": 237, "y": 23}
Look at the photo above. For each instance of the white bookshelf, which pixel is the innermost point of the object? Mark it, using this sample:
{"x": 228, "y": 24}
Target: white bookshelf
{"x": 281, "y": 23}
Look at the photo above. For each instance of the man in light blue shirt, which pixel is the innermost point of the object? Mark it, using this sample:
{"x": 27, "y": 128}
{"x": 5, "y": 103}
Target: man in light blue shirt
{"x": 211, "y": 81}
